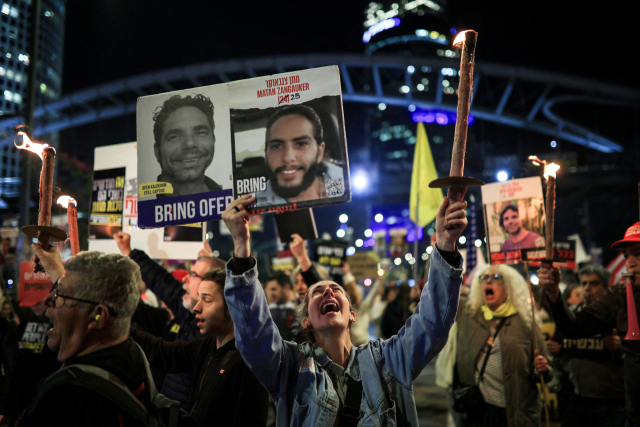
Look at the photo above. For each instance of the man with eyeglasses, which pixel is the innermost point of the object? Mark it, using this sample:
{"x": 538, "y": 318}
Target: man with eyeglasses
{"x": 90, "y": 305}
{"x": 172, "y": 292}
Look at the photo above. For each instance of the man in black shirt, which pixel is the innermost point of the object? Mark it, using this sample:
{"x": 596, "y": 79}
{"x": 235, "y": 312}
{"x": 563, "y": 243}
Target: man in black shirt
{"x": 223, "y": 391}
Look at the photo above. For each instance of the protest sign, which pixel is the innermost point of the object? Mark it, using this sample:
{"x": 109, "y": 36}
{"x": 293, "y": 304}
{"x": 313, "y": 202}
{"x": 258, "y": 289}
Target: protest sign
{"x": 154, "y": 241}
{"x": 34, "y": 287}
{"x": 514, "y": 220}
{"x": 280, "y": 138}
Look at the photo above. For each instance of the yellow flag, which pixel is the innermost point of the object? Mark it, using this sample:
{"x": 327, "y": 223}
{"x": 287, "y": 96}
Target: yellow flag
{"x": 424, "y": 171}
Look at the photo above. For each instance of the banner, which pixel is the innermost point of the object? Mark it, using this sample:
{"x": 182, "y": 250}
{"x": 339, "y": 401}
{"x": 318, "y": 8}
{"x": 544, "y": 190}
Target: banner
{"x": 107, "y": 205}
{"x": 172, "y": 243}
{"x": 514, "y": 220}
{"x": 331, "y": 254}
{"x": 280, "y": 138}
{"x": 34, "y": 287}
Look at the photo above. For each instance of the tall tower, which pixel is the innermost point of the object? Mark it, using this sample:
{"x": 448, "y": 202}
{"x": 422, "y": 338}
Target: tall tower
{"x": 408, "y": 28}
{"x": 15, "y": 39}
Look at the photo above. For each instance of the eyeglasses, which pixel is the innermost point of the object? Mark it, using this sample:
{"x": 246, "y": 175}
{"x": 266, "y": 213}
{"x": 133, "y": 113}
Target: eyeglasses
{"x": 487, "y": 277}
{"x": 57, "y": 295}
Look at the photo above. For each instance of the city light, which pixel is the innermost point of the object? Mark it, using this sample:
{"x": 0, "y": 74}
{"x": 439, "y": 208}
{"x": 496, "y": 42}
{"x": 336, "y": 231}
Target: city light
{"x": 462, "y": 240}
{"x": 382, "y": 106}
{"x": 412, "y": 107}
{"x": 397, "y": 261}
{"x": 411, "y": 282}
{"x": 553, "y": 144}
{"x": 360, "y": 181}
{"x": 534, "y": 280}
{"x": 368, "y": 232}
{"x": 425, "y": 257}
{"x": 478, "y": 243}
{"x": 420, "y": 87}
{"x": 411, "y": 69}
{"x": 340, "y": 233}
{"x": 351, "y": 250}
{"x": 367, "y": 282}
{"x": 380, "y": 272}
{"x": 343, "y": 218}
{"x": 379, "y": 218}
{"x": 359, "y": 243}
{"x": 429, "y": 249}
{"x": 502, "y": 176}
{"x": 405, "y": 89}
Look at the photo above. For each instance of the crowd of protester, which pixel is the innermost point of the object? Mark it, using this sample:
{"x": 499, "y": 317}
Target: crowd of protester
{"x": 228, "y": 348}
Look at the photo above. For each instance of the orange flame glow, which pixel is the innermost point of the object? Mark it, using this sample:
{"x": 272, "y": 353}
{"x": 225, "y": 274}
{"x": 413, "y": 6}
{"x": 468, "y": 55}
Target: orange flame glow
{"x": 460, "y": 38}
{"x": 550, "y": 170}
{"x": 65, "y": 200}
{"x": 28, "y": 144}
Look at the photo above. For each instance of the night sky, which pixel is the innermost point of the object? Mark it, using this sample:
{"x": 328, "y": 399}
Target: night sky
{"x": 110, "y": 39}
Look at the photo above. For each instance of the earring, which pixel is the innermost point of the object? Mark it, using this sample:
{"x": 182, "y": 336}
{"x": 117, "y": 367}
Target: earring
{"x": 97, "y": 318}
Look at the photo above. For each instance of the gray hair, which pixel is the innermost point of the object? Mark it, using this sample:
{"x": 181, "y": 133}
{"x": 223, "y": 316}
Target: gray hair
{"x": 212, "y": 261}
{"x": 110, "y": 279}
{"x": 598, "y": 270}
{"x": 515, "y": 287}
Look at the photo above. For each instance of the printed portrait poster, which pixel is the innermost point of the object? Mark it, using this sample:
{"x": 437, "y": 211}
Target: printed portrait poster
{"x": 290, "y": 149}
{"x": 107, "y": 198}
{"x": 514, "y": 220}
{"x": 185, "y": 172}
{"x": 171, "y": 242}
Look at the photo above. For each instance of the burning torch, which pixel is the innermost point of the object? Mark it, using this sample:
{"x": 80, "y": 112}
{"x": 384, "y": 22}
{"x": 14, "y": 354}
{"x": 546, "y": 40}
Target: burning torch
{"x": 72, "y": 217}
{"x": 466, "y": 42}
{"x": 43, "y": 231}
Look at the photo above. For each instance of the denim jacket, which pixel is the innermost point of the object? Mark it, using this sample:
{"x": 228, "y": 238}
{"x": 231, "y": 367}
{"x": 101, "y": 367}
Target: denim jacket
{"x": 299, "y": 377}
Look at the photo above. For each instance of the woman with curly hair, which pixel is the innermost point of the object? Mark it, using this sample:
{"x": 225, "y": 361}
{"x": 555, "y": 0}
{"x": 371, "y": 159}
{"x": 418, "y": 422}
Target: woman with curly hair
{"x": 495, "y": 349}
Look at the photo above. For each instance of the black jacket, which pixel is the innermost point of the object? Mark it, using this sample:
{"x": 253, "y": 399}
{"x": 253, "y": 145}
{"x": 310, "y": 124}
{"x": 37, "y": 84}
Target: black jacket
{"x": 8, "y": 360}
{"x": 238, "y": 399}
{"x": 607, "y": 312}
{"x": 170, "y": 291}
{"x": 71, "y": 405}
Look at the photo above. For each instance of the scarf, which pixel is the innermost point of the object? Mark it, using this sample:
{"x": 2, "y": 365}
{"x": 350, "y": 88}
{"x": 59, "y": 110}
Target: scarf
{"x": 505, "y": 310}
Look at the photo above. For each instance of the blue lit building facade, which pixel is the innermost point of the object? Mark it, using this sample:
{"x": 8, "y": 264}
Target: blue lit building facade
{"x": 15, "y": 39}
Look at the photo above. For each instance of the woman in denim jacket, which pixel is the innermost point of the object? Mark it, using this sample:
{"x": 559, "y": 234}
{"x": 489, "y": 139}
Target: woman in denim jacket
{"x": 308, "y": 382}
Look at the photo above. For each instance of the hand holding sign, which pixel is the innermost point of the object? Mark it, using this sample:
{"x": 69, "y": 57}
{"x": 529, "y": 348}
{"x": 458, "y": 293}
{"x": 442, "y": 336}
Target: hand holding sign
{"x": 549, "y": 279}
{"x": 237, "y": 219}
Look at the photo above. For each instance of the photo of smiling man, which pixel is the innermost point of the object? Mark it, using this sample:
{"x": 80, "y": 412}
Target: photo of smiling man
{"x": 294, "y": 155}
{"x": 289, "y": 141}
{"x": 185, "y": 172}
{"x": 185, "y": 144}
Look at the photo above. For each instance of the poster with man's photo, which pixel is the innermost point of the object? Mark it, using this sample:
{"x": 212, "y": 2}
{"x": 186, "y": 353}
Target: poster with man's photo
{"x": 514, "y": 220}
{"x": 184, "y": 156}
{"x": 107, "y": 198}
{"x": 170, "y": 242}
{"x": 290, "y": 148}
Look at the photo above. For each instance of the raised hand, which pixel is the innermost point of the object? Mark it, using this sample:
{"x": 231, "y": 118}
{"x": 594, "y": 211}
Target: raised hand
{"x": 49, "y": 261}
{"x": 451, "y": 220}
{"x": 123, "y": 240}
{"x": 237, "y": 219}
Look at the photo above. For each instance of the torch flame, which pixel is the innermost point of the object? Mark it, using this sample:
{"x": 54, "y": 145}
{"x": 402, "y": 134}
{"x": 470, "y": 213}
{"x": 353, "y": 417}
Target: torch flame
{"x": 28, "y": 144}
{"x": 64, "y": 201}
{"x": 460, "y": 38}
{"x": 550, "y": 170}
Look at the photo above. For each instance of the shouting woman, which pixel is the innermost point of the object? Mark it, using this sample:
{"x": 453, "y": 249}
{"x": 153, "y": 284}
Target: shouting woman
{"x": 327, "y": 381}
